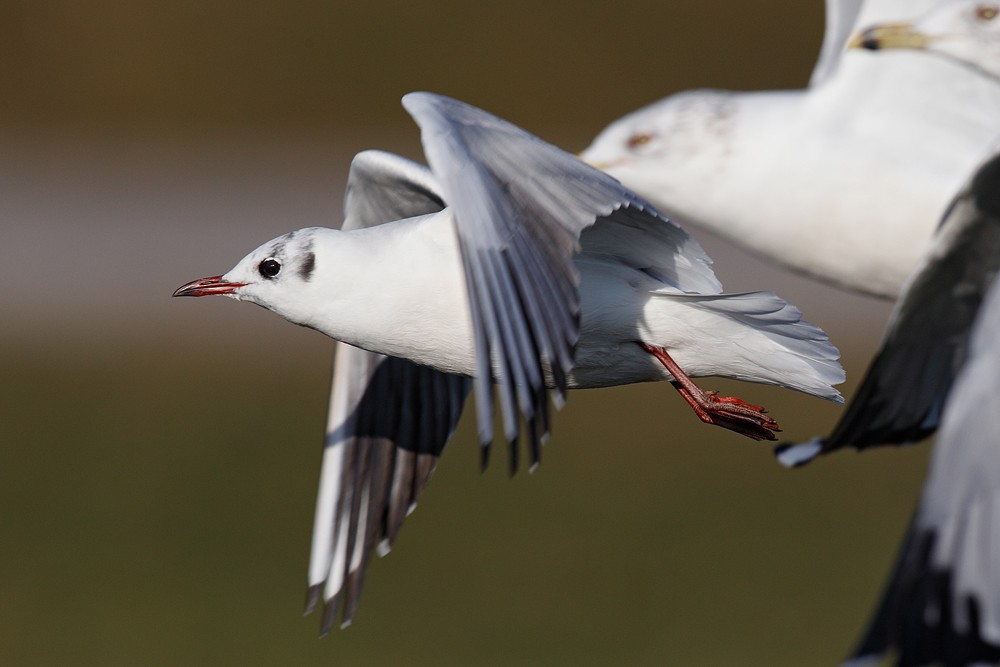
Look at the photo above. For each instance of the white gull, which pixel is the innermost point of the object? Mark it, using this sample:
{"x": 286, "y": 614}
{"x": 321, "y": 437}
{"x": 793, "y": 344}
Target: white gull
{"x": 844, "y": 180}
{"x": 515, "y": 264}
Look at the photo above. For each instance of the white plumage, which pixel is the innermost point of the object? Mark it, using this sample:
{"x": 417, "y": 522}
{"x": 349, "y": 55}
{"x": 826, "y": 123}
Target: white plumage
{"x": 844, "y": 181}
{"x": 515, "y": 266}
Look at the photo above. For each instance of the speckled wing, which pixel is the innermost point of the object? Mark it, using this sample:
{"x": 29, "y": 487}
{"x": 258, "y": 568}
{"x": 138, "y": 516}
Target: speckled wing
{"x": 388, "y": 420}
{"x": 521, "y": 206}
{"x": 942, "y": 604}
{"x": 904, "y": 391}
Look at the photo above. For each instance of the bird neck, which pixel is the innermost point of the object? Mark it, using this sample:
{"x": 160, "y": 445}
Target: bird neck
{"x": 396, "y": 289}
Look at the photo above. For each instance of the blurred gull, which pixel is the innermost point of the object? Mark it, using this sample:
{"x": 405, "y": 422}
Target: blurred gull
{"x": 968, "y": 32}
{"x": 844, "y": 181}
{"x": 514, "y": 264}
{"x": 927, "y": 337}
{"x": 902, "y": 395}
{"x": 942, "y": 603}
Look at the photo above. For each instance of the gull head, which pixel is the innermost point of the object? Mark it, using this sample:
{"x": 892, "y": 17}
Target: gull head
{"x": 968, "y": 32}
{"x": 654, "y": 148}
{"x": 279, "y": 275}
{"x": 659, "y": 149}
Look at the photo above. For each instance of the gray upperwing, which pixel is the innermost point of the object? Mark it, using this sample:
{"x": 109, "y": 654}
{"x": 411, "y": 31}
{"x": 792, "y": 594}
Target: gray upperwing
{"x": 520, "y": 206}
{"x": 383, "y": 187}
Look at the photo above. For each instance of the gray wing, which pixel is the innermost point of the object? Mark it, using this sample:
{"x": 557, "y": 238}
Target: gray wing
{"x": 520, "y": 206}
{"x": 942, "y": 604}
{"x": 383, "y": 187}
{"x": 388, "y": 420}
{"x": 840, "y": 18}
{"x": 902, "y": 395}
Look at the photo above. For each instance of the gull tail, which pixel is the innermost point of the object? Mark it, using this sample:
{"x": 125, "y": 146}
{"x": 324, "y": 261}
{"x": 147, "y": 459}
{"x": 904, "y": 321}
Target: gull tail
{"x": 764, "y": 339}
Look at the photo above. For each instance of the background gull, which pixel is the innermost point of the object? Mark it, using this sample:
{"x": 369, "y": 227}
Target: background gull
{"x": 540, "y": 272}
{"x": 942, "y": 603}
{"x": 904, "y": 391}
{"x": 966, "y": 31}
{"x": 844, "y": 180}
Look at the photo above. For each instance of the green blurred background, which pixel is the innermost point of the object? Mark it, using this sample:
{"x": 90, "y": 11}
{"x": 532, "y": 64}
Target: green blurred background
{"x": 160, "y": 457}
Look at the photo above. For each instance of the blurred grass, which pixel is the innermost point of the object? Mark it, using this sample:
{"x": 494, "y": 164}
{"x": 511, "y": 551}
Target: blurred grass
{"x": 159, "y": 503}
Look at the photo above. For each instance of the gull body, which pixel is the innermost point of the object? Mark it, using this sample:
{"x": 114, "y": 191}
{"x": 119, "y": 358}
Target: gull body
{"x": 844, "y": 181}
{"x": 511, "y": 266}
{"x": 399, "y": 289}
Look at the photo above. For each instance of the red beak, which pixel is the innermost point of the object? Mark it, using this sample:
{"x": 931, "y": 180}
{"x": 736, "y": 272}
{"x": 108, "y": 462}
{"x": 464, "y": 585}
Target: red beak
{"x": 207, "y": 287}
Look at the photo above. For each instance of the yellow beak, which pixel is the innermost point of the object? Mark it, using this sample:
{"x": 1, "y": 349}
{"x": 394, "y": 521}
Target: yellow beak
{"x": 889, "y": 36}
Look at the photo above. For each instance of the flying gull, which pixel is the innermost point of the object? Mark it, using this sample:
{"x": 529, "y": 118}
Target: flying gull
{"x": 844, "y": 180}
{"x": 942, "y": 602}
{"x": 939, "y": 363}
{"x": 904, "y": 391}
{"x": 967, "y": 32}
{"x": 510, "y": 265}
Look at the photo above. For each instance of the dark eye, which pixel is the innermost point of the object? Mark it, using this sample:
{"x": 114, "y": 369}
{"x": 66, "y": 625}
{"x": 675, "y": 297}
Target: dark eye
{"x": 270, "y": 267}
{"x": 637, "y": 140}
{"x": 987, "y": 12}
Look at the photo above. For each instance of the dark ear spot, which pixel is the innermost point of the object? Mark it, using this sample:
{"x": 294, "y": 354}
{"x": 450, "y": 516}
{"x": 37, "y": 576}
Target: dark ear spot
{"x": 308, "y": 266}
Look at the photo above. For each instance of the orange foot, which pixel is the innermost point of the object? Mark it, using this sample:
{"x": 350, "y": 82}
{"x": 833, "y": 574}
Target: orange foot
{"x": 725, "y": 411}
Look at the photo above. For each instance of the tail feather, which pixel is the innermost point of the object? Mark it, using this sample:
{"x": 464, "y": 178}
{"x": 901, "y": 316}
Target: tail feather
{"x": 773, "y": 344}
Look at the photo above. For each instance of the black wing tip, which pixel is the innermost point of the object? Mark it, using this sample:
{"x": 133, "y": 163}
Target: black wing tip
{"x": 330, "y": 617}
{"x": 314, "y": 594}
{"x": 484, "y": 457}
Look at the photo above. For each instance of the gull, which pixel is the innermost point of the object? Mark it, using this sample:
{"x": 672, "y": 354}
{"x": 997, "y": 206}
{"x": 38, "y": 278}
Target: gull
{"x": 927, "y": 336}
{"x": 939, "y": 363}
{"x": 903, "y": 393}
{"x": 967, "y": 32}
{"x": 942, "y": 603}
{"x": 844, "y": 181}
{"x": 511, "y": 266}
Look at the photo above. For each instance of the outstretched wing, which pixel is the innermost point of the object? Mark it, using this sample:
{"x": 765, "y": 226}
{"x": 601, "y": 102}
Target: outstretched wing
{"x": 904, "y": 391}
{"x": 520, "y": 206}
{"x": 942, "y": 604}
{"x": 383, "y": 187}
{"x": 389, "y": 418}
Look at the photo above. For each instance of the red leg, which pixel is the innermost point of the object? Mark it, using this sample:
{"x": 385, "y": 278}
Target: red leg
{"x": 726, "y": 411}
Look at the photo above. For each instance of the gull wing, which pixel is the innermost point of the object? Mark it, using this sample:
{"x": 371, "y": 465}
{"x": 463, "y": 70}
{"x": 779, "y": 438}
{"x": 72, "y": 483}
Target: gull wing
{"x": 840, "y": 18}
{"x": 942, "y": 604}
{"x": 520, "y": 206}
{"x": 388, "y": 420}
{"x": 904, "y": 391}
{"x": 383, "y": 187}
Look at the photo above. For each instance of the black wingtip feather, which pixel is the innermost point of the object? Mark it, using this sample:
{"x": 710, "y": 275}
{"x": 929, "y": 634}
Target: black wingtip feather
{"x": 329, "y": 615}
{"x": 484, "y": 457}
{"x": 314, "y": 594}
